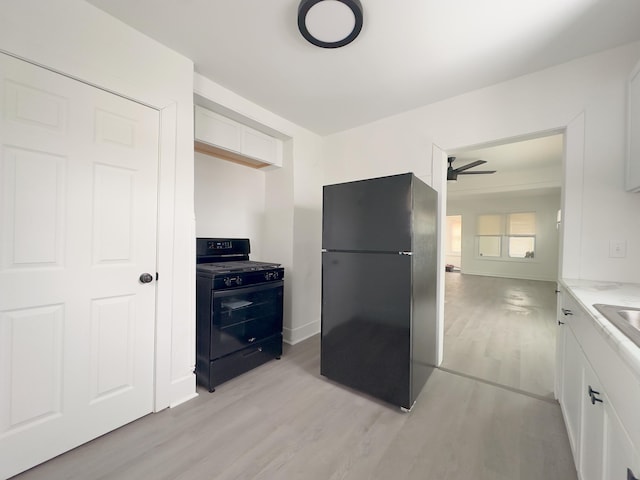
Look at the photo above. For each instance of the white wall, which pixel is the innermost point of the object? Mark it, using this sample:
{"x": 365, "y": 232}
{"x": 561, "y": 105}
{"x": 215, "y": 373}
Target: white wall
{"x": 76, "y": 38}
{"x": 544, "y": 266}
{"x": 540, "y": 102}
{"x": 307, "y": 236}
{"x": 293, "y": 195}
{"x": 549, "y": 100}
{"x": 230, "y": 201}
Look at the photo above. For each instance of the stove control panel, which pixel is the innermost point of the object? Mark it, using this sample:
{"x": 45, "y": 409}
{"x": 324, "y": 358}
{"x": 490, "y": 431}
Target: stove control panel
{"x": 219, "y": 244}
{"x": 232, "y": 281}
{"x": 222, "y": 246}
{"x": 271, "y": 275}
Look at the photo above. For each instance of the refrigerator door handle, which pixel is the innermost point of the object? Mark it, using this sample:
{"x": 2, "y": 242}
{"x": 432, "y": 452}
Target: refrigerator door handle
{"x": 405, "y": 253}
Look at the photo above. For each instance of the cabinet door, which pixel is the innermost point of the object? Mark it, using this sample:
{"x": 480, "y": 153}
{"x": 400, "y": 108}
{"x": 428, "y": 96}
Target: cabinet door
{"x": 592, "y": 429}
{"x": 620, "y": 457}
{"x": 256, "y": 144}
{"x": 571, "y": 399}
{"x": 633, "y": 137}
{"x": 217, "y": 130}
{"x": 560, "y": 334}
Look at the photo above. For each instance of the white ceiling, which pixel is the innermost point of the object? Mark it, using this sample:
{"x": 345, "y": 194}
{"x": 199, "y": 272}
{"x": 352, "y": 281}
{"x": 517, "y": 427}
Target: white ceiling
{"x": 520, "y": 155}
{"x": 410, "y": 52}
{"x": 533, "y": 165}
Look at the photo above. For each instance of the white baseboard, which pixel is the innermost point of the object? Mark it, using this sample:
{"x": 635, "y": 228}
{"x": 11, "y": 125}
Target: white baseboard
{"x": 297, "y": 335}
{"x": 518, "y": 277}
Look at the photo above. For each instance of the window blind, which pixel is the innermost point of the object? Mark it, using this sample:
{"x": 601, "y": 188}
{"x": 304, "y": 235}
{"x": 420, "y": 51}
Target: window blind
{"x": 490, "y": 225}
{"x": 522, "y": 223}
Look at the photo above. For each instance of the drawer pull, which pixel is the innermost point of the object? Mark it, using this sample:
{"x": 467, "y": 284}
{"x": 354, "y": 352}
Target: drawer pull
{"x": 253, "y": 352}
{"x": 592, "y": 394}
{"x": 566, "y": 311}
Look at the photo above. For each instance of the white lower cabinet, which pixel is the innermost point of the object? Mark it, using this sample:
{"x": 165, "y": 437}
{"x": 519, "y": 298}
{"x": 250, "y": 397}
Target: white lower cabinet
{"x": 620, "y": 459}
{"x": 601, "y": 445}
{"x": 592, "y": 425}
{"x": 572, "y": 389}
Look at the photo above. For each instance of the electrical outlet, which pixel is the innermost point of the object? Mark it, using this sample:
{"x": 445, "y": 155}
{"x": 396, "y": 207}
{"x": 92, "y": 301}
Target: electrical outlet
{"x": 617, "y": 248}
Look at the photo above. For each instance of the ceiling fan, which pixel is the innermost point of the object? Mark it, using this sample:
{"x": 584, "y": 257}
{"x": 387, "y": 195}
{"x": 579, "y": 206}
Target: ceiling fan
{"x": 452, "y": 173}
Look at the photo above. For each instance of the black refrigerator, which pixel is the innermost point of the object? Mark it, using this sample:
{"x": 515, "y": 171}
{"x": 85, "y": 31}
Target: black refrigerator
{"x": 379, "y": 276}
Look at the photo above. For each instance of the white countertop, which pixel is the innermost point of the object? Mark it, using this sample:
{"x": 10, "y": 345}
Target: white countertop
{"x": 588, "y": 292}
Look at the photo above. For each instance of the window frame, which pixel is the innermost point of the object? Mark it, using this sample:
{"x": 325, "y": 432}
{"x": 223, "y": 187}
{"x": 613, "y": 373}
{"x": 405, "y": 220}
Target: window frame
{"x": 505, "y": 238}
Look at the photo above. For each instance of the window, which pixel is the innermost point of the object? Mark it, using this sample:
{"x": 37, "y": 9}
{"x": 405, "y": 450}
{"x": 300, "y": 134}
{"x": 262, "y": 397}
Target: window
{"x": 454, "y": 235}
{"x": 490, "y": 230}
{"x": 522, "y": 231}
{"x": 511, "y": 235}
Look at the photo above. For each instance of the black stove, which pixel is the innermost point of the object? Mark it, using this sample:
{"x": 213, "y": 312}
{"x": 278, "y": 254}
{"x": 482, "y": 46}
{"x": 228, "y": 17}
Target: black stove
{"x": 227, "y": 262}
{"x": 238, "y": 310}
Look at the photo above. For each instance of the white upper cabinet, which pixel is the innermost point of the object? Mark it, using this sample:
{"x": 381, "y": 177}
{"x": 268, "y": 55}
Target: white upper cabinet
{"x": 632, "y": 177}
{"x": 218, "y": 130}
{"x": 235, "y": 141}
{"x": 258, "y": 145}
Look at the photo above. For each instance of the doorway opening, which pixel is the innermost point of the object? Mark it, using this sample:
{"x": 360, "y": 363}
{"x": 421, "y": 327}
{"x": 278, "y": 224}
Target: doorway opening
{"x": 453, "y": 243}
{"x": 499, "y": 318}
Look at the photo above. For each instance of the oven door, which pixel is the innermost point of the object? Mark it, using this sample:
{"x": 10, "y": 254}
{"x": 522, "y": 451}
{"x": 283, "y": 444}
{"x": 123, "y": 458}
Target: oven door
{"x": 243, "y": 316}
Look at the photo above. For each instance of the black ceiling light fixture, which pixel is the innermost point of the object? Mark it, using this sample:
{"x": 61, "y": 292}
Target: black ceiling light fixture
{"x": 330, "y": 23}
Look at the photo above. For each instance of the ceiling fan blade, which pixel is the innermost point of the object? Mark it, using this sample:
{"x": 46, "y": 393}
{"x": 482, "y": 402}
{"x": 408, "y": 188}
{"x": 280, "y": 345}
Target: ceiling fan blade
{"x": 470, "y": 165}
{"x": 478, "y": 172}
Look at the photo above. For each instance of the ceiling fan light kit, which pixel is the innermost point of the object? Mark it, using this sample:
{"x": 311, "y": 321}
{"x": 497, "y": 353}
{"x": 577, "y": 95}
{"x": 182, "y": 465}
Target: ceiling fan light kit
{"x": 452, "y": 173}
{"x": 330, "y": 23}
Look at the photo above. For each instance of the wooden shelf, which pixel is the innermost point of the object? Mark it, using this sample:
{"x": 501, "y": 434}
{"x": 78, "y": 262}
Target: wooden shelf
{"x": 221, "y": 153}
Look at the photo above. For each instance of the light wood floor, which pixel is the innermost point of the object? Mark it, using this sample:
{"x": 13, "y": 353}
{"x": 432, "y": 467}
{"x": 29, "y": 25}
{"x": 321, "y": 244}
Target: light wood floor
{"x": 487, "y": 414}
{"x": 501, "y": 330}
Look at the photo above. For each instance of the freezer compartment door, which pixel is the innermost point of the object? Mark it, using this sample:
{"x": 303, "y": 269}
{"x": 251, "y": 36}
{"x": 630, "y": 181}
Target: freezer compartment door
{"x": 370, "y": 215}
{"x": 366, "y": 323}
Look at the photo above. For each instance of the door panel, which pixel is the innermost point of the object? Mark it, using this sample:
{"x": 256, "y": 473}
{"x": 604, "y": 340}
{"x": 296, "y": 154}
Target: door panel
{"x": 32, "y": 342}
{"x": 33, "y": 188}
{"x": 112, "y": 328}
{"x": 78, "y": 212}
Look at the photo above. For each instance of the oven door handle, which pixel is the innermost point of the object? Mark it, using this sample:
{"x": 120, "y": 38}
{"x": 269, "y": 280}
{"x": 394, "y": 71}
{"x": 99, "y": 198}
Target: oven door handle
{"x": 247, "y": 290}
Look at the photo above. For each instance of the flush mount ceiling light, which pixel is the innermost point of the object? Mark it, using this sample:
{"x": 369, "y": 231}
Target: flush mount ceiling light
{"x": 330, "y": 23}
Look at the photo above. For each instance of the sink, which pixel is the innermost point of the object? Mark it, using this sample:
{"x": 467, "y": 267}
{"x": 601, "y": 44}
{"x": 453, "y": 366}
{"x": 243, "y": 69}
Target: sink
{"x": 626, "y": 319}
{"x": 631, "y": 316}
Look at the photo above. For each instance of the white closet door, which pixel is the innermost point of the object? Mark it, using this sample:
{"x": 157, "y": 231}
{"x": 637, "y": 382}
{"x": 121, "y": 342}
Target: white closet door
{"x": 78, "y": 212}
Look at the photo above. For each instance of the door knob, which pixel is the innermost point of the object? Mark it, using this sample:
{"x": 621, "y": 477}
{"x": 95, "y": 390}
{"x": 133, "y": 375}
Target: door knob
{"x": 146, "y": 278}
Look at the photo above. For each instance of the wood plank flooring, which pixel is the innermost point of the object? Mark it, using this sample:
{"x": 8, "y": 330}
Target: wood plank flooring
{"x": 486, "y": 415}
{"x": 501, "y": 330}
